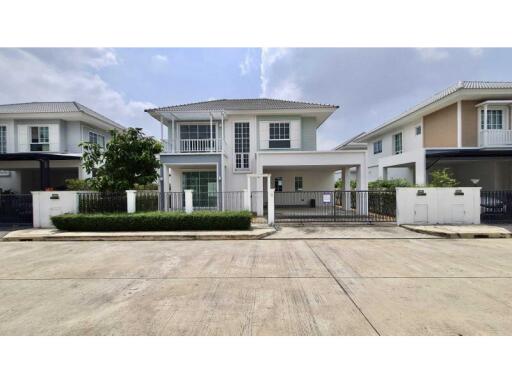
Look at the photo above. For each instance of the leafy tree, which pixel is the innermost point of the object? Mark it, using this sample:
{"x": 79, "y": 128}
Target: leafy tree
{"x": 443, "y": 178}
{"x": 339, "y": 184}
{"x": 129, "y": 159}
{"x": 78, "y": 185}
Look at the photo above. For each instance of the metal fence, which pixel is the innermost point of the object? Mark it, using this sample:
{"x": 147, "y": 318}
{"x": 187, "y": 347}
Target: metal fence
{"x": 337, "y": 206}
{"x": 147, "y": 201}
{"x": 174, "y": 201}
{"x": 101, "y": 202}
{"x": 218, "y": 201}
{"x": 496, "y": 206}
{"x": 15, "y": 209}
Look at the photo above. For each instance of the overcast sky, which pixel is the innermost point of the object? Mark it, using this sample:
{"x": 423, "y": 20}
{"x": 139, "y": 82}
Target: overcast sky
{"x": 370, "y": 85}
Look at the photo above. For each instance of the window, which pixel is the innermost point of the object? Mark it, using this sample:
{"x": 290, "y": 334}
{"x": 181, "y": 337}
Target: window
{"x": 242, "y": 146}
{"x": 39, "y": 139}
{"x": 97, "y": 139}
{"x": 298, "y": 183}
{"x": 279, "y": 135}
{"x": 197, "y": 137}
{"x": 397, "y": 143}
{"x": 418, "y": 130}
{"x": 3, "y": 139}
{"x": 377, "y": 147}
{"x": 204, "y": 185}
{"x": 494, "y": 119}
{"x": 278, "y": 184}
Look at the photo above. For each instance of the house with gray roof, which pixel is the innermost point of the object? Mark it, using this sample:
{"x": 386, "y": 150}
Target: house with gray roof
{"x": 232, "y": 145}
{"x": 39, "y": 143}
{"x": 466, "y": 128}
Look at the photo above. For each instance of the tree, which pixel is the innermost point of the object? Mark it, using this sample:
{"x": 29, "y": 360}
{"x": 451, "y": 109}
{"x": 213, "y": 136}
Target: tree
{"x": 128, "y": 159}
{"x": 390, "y": 185}
{"x": 443, "y": 178}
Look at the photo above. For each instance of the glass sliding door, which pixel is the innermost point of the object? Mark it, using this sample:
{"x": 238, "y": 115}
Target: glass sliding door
{"x": 204, "y": 185}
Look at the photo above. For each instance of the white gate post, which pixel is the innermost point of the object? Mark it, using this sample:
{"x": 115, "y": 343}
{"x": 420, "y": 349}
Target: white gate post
{"x": 247, "y": 200}
{"x": 189, "y": 205}
{"x": 270, "y": 206}
{"x": 131, "y": 197}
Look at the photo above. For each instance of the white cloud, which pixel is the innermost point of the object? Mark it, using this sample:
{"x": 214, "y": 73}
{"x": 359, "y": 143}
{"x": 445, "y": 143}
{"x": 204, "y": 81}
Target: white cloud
{"x": 67, "y": 75}
{"x": 246, "y": 64}
{"x": 476, "y": 51}
{"x": 159, "y": 58}
{"x": 433, "y": 54}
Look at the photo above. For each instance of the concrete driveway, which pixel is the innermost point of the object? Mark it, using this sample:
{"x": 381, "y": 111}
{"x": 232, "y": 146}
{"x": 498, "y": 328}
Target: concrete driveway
{"x": 279, "y": 287}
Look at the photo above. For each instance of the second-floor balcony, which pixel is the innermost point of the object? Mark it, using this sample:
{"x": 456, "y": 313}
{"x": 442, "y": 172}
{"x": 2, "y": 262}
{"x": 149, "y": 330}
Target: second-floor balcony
{"x": 495, "y": 137}
{"x": 194, "y": 146}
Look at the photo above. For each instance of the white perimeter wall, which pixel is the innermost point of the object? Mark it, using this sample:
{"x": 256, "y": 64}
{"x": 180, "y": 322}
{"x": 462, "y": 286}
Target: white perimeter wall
{"x": 44, "y": 206}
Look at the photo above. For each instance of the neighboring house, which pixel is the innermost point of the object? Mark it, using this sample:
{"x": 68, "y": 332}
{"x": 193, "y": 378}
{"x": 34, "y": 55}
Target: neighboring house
{"x": 466, "y": 128}
{"x": 218, "y": 145}
{"x": 39, "y": 143}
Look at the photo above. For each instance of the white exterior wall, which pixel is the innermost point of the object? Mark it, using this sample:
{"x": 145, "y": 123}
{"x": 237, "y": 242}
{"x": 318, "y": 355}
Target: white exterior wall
{"x": 44, "y": 207}
{"x": 313, "y": 180}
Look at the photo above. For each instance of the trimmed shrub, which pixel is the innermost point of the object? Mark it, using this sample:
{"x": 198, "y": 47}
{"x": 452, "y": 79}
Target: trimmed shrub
{"x": 154, "y": 221}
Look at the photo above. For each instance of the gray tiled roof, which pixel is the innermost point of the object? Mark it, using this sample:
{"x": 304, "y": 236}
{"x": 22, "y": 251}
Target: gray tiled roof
{"x": 241, "y": 104}
{"x": 55, "y": 107}
{"x": 476, "y": 85}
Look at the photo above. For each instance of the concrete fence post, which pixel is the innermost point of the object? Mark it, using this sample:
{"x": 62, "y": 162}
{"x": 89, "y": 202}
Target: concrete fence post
{"x": 270, "y": 207}
{"x": 247, "y": 200}
{"x": 189, "y": 204}
{"x": 131, "y": 197}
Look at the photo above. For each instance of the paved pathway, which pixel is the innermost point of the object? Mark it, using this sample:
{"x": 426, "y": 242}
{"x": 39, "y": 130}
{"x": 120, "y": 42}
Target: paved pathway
{"x": 281, "y": 287}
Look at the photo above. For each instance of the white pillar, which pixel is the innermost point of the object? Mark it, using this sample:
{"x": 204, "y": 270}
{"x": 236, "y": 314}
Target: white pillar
{"x": 211, "y": 133}
{"x": 36, "y": 217}
{"x": 247, "y": 199}
{"x": 189, "y": 205}
{"x": 420, "y": 171}
{"x": 362, "y": 185}
{"x": 131, "y": 197}
{"x": 346, "y": 187}
{"x": 270, "y": 206}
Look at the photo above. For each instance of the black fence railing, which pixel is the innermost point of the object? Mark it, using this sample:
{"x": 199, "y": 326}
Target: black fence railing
{"x": 101, "y": 202}
{"x": 146, "y": 201}
{"x": 15, "y": 209}
{"x": 342, "y": 206}
{"x": 174, "y": 201}
{"x": 218, "y": 201}
{"x": 496, "y": 206}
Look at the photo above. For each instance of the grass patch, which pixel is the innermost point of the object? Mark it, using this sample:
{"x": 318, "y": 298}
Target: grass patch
{"x": 154, "y": 221}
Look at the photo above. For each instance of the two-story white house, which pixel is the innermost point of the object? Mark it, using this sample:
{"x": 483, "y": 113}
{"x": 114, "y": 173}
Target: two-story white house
{"x": 39, "y": 143}
{"x": 466, "y": 128}
{"x": 221, "y": 145}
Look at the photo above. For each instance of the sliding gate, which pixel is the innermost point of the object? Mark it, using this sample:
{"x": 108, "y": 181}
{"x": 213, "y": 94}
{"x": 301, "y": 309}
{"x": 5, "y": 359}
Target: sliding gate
{"x": 335, "y": 206}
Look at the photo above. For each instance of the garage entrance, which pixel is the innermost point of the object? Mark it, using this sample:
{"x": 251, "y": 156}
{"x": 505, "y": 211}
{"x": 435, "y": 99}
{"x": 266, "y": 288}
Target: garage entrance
{"x": 335, "y": 206}
{"x": 15, "y": 210}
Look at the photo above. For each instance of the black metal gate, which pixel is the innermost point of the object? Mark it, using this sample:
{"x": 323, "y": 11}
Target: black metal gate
{"x": 15, "y": 210}
{"x": 496, "y": 207}
{"x": 336, "y": 206}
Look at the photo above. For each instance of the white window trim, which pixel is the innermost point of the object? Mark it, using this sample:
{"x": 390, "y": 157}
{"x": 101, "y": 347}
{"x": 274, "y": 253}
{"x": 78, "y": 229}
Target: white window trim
{"x": 38, "y": 137}
{"x": 289, "y": 134}
{"x": 235, "y": 169}
{"x": 97, "y": 135}
{"x": 505, "y": 113}
{"x": 393, "y": 152}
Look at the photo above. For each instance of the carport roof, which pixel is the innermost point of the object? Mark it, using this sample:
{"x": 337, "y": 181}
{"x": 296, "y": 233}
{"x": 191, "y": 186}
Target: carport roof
{"x": 38, "y": 156}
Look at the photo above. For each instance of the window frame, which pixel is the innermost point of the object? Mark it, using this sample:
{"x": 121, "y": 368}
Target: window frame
{"x": 242, "y": 157}
{"x": 299, "y": 179}
{"x": 393, "y": 143}
{"x": 43, "y": 144}
{"x": 3, "y": 138}
{"x": 280, "y": 189}
{"x": 98, "y": 135}
{"x": 273, "y": 143}
{"x": 377, "y": 147}
{"x": 490, "y": 112}
{"x": 418, "y": 130}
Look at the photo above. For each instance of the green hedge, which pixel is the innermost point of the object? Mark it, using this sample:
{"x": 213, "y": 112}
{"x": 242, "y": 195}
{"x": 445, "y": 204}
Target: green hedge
{"x": 154, "y": 221}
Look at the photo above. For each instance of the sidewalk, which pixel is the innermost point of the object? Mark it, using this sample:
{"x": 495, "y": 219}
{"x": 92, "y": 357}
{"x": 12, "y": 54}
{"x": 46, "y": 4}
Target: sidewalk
{"x": 37, "y": 234}
{"x": 463, "y": 231}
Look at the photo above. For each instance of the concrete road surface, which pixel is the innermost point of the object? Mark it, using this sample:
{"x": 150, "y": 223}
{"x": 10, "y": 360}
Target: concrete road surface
{"x": 422, "y": 286}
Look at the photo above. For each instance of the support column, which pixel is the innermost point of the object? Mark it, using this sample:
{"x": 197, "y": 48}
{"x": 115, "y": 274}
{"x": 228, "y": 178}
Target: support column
{"x": 44, "y": 174}
{"x": 211, "y": 133}
{"x": 362, "y": 194}
{"x": 346, "y": 187}
{"x": 189, "y": 205}
{"x": 165, "y": 189}
{"x": 270, "y": 206}
{"x": 131, "y": 198}
{"x": 420, "y": 171}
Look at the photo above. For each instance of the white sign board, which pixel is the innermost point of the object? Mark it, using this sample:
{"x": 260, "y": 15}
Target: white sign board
{"x": 327, "y": 198}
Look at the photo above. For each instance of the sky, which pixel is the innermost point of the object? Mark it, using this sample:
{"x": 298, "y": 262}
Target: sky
{"x": 371, "y": 85}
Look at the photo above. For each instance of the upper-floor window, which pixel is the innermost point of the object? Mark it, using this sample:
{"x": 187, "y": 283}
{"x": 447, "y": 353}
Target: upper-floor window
{"x": 242, "y": 146}
{"x": 3, "y": 139}
{"x": 298, "y": 183}
{"x": 494, "y": 119}
{"x": 279, "y": 135}
{"x": 418, "y": 130}
{"x": 97, "y": 139}
{"x": 377, "y": 147}
{"x": 197, "y": 137}
{"x": 39, "y": 139}
{"x": 397, "y": 143}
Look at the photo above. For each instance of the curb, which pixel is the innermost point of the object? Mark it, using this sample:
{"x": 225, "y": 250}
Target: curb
{"x": 459, "y": 235}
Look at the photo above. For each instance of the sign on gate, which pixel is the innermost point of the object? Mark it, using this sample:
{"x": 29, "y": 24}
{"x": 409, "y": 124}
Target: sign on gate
{"x": 327, "y": 198}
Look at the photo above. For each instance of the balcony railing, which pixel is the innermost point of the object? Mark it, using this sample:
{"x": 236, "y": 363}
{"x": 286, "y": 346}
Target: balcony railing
{"x": 195, "y": 146}
{"x": 495, "y": 137}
